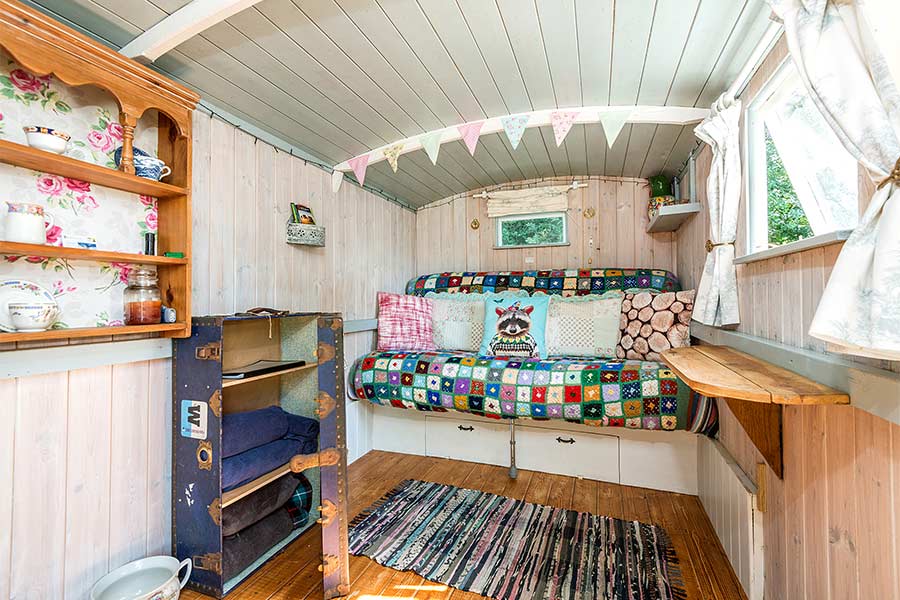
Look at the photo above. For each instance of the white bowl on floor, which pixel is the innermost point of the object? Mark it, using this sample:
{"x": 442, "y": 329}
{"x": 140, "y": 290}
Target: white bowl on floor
{"x": 153, "y": 578}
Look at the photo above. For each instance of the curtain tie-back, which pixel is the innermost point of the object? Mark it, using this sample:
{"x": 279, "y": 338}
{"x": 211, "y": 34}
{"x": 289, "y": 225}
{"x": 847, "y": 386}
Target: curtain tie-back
{"x": 710, "y": 245}
{"x": 893, "y": 176}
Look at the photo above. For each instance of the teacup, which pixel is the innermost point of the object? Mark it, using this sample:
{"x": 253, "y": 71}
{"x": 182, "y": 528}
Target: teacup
{"x": 33, "y": 316}
{"x": 153, "y": 578}
{"x": 150, "y": 168}
{"x": 45, "y": 138}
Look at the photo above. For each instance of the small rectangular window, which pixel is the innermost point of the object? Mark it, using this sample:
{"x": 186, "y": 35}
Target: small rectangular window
{"x": 547, "y": 229}
{"x": 802, "y": 181}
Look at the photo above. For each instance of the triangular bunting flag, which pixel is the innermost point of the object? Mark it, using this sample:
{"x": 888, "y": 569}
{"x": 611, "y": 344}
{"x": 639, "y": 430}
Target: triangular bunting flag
{"x": 431, "y": 143}
{"x": 391, "y": 153}
{"x": 613, "y": 120}
{"x": 470, "y": 133}
{"x": 359, "y": 164}
{"x": 562, "y": 122}
{"x": 514, "y": 127}
{"x": 337, "y": 178}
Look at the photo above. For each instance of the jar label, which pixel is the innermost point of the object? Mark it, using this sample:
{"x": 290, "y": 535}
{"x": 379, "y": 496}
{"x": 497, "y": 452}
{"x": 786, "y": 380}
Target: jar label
{"x": 193, "y": 419}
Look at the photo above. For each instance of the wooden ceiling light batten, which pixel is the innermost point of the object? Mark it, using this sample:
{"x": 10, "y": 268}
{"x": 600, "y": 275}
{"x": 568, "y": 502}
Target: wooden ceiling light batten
{"x": 46, "y": 47}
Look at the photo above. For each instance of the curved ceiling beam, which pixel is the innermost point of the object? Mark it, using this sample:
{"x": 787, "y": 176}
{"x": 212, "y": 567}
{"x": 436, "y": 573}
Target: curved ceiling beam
{"x": 181, "y": 25}
{"x": 659, "y": 115}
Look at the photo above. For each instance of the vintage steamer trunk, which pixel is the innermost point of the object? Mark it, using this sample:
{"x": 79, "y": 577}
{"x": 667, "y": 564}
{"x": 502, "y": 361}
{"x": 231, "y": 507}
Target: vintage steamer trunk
{"x": 316, "y": 391}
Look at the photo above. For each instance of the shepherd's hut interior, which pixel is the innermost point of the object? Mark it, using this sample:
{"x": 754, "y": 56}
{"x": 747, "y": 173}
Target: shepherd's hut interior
{"x": 450, "y": 299}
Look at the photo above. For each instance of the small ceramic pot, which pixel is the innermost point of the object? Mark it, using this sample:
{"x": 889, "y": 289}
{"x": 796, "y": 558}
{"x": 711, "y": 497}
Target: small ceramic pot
{"x": 26, "y": 223}
{"x": 44, "y": 138}
{"x": 153, "y": 578}
{"x": 33, "y": 316}
{"x": 150, "y": 168}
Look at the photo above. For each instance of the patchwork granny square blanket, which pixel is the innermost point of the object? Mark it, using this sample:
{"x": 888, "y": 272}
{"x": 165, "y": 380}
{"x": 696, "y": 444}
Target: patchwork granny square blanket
{"x": 566, "y": 282}
{"x": 605, "y": 392}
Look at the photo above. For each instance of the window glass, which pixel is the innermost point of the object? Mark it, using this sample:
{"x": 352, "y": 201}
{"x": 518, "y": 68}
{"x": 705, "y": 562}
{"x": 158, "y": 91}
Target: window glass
{"x": 802, "y": 180}
{"x": 531, "y": 230}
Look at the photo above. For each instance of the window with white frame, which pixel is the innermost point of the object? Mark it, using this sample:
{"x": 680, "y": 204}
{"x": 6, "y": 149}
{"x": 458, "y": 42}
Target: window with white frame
{"x": 545, "y": 229}
{"x": 802, "y": 182}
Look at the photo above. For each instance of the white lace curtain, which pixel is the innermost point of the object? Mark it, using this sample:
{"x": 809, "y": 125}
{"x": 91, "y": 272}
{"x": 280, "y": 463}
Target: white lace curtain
{"x": 716, "y": 302}
{"x": 851, "y": 84}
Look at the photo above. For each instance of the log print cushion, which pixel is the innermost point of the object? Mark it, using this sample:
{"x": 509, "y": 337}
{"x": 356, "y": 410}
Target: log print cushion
{"x": 584, "y": 325}
{"x": 653, "y": 323}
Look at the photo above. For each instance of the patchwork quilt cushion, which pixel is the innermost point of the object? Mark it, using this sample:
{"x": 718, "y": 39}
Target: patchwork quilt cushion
{"x": 653, "y": 323}
{"x": 404, "y": 322}
{"x": 615, "y": 393}
{"x": 584, "y": 326}
{"x": 515, "y": 326}
{"x": 566, "y": 282}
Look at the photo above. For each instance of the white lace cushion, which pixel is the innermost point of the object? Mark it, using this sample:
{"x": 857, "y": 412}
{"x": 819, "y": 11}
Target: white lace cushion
{"x": 584, "y": 325}
{"x": 457, "y": 324}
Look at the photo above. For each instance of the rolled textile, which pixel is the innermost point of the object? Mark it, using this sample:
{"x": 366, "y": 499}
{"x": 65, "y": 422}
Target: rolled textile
{"x": 240, "y": 550}
{"x": 247, "y": 430}
{"x": 247, "y": 466}
{"x": 300, "y": 503}
{"x": 261, "y": 503}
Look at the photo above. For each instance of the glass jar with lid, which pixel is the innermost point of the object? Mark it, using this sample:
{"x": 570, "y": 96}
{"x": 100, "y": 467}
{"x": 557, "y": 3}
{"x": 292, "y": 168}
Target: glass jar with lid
{"x": 142, "y": 298}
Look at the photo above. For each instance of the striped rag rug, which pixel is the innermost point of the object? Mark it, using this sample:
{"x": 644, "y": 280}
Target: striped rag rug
{"x": 509, "y": 549}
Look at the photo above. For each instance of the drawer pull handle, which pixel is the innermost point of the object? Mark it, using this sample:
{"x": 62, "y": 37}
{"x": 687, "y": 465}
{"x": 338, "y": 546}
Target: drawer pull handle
{"x": 466, "y": 428}
{"x": 565, "y": 441}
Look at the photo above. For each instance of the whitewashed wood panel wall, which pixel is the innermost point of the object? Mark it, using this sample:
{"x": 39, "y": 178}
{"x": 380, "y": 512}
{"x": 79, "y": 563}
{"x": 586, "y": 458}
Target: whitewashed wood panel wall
{"x": 614, "y": 237}
{"x": 85, "y": 468}
{"x": 832, "y": 523}
{"x": 85, "y": 456}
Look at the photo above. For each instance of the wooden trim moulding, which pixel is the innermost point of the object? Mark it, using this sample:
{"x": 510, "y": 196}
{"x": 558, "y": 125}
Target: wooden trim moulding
{"x": 58, "y": 359}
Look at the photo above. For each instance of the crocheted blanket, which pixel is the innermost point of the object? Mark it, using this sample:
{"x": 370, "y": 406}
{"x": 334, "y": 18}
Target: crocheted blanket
{"x": 605, "y": 392}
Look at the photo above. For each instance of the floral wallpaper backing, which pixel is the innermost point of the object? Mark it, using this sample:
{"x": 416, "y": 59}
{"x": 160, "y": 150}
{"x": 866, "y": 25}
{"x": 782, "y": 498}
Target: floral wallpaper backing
{"x": 89, "y": 294}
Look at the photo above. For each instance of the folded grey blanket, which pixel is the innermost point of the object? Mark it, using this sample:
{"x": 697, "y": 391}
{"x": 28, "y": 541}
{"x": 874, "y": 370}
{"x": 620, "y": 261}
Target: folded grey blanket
{"x": 260, "y": 504}
{"x": 240, "y": 550}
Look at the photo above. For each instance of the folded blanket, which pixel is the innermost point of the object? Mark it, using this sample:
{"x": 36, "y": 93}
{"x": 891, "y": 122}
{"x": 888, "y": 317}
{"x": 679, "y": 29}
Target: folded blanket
{"x": 247, "y": 466}
{"x": 263, "y": 502}
{"x": 240, "y": 550}
{"x": 247, "y": 430}
{"x": 300, "y": 503}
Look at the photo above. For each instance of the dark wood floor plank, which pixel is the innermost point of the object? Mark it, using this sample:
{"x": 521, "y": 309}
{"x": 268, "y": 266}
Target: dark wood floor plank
{"x": 294, "y": 574}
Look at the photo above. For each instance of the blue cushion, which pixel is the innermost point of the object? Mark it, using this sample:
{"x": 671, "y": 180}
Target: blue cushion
{"x": 522, "y": 310}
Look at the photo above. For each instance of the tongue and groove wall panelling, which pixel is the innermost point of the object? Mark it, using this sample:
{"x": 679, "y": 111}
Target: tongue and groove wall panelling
{"x": 243, "y": 197}
{"x": 614, "y": 237}
{"x": 85, "y": 465}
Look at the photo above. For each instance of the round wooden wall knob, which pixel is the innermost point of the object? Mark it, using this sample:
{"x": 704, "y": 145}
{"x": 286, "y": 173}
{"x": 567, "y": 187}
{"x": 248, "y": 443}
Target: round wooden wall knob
{"x": 475, "y": 224}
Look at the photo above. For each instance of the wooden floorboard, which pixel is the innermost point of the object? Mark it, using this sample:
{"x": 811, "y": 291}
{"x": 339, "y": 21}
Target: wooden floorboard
{"x": 294, "y": 574}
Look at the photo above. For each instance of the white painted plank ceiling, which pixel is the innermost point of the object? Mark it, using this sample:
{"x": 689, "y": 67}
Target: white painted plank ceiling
{"x": 337, "y": 77}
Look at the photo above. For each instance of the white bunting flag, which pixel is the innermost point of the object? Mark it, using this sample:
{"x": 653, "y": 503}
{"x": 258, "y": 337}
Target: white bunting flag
{"x": 431, "y": 143}
{"x": 613, "y": 120}
{"x": 514, "y": 127}
{"x": 337, "y": 178}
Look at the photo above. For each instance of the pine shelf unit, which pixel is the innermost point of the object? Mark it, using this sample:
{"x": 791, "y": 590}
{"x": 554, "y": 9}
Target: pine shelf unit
{"x": 44, "y": 46}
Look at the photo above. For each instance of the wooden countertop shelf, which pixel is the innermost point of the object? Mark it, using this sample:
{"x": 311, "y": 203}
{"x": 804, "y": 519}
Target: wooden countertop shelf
{"x": 723, "y": 372}
{"x": 17, "y": 249}
{"x": 20, "y": 155}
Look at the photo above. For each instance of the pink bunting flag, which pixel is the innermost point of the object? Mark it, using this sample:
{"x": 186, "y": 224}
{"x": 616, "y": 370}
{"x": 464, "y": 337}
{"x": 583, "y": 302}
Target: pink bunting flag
{"x": 470, "y": 133}
{"x": 359, "y": 164}
{"x": 514, "y": 127}
{"x": 562, "y": 122}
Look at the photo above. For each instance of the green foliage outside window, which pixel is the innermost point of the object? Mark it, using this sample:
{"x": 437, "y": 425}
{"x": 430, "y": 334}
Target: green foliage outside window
{"x": 536, "y": 231}
{"x": 787, "y": 221}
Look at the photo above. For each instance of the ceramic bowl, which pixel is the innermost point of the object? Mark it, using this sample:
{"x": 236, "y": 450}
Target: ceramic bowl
{"x": 153, "y": 578}
{"x": 33, "y": 316}
{"x": 44, "y": 138}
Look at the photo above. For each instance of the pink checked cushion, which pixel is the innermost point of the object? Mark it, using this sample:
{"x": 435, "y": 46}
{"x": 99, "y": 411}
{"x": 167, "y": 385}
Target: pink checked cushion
{"x": 404, "y": 322}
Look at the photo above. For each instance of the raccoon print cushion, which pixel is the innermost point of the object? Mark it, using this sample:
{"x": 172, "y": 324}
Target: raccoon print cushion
{"x": 515, "y": 326}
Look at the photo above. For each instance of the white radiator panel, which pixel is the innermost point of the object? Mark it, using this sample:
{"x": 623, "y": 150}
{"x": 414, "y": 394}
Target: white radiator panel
{"x": 729, "y": 497}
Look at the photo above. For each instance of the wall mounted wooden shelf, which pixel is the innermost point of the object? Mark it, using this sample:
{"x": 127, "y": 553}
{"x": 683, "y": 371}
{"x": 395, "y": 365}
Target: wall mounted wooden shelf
{"x": 47, "y": 162}
{"x": 722, "y": 372}
{"x": 16, "y": 249}
{"x": 670, "y": 218}
{"x": 756, "y": 391}
{"x": 168, "y": 329}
